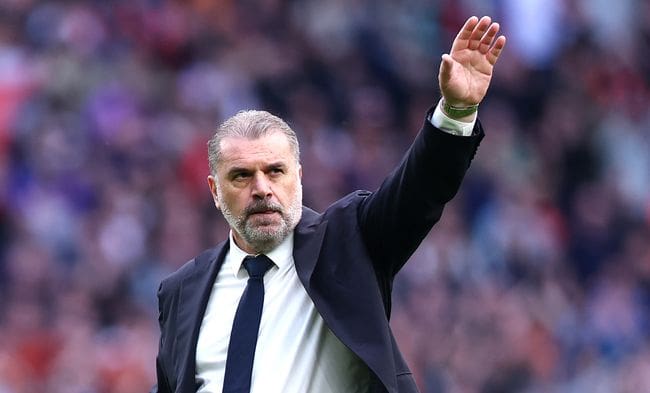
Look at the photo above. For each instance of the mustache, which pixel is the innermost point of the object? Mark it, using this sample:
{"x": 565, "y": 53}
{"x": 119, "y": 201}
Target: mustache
{"x": 262, "y": 206}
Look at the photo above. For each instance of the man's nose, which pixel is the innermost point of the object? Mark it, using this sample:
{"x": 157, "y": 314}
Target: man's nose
{"x": 261, "y": 186}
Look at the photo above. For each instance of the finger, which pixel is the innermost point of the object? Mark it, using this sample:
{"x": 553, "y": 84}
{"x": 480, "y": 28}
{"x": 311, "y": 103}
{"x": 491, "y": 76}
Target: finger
{"x": 495, "y": 51}
{"x": 479, "y": 31}
{"x": 467, "y": 29}
{"x": 465, "y": 33}
{"x": 488, "y": 38}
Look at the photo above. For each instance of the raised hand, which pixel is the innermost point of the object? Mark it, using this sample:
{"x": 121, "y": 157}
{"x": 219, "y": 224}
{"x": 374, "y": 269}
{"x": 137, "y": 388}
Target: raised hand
{"x": 465, "y": 72}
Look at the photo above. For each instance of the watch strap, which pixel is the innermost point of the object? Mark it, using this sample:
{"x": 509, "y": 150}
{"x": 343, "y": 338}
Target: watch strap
{"x": 458, "y": 111}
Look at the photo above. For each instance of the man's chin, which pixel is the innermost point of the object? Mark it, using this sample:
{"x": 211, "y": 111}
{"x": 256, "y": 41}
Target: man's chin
{"x": 265, "y": 227}
{"x": 264, "y": 238}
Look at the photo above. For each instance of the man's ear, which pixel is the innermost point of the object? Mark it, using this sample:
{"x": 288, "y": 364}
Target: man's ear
{"x": 300, "y": 171}
{"x": 212, "y": 183}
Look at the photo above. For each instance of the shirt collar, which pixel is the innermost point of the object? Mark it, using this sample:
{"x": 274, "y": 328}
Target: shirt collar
{"x": 281, "y": 255}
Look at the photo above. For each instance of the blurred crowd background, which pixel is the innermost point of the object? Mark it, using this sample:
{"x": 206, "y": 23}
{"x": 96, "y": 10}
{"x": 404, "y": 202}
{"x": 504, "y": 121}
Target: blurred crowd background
{"x": 537, "y": 279}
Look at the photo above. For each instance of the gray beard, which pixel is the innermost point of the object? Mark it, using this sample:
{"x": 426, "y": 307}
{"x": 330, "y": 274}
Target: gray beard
{"x": 263, "y": 239}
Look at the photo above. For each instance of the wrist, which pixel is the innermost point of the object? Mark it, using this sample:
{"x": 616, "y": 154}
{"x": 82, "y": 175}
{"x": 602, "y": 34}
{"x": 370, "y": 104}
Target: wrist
{"x": 462, "y": 113}
{"x": 452, "y": 126}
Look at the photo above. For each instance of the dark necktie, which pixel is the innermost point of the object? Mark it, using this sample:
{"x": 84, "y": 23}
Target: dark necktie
{"x": 245, "y": 327}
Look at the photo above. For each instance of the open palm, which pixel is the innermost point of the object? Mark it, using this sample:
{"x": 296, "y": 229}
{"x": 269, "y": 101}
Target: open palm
{"x": 465, "y": 72}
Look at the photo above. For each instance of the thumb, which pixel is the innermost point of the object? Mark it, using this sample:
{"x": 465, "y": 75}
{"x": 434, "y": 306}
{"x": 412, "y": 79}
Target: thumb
{"x": 445, "y": 67}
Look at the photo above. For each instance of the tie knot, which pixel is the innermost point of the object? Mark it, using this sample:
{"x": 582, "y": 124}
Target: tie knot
{"x": 257, "y": 266}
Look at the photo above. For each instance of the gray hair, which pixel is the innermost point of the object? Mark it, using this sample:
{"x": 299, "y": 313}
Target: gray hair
{"x": 249, "y": 124}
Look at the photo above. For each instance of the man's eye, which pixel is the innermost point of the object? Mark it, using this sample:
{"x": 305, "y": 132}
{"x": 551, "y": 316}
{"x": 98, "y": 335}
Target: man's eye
{"x": 241, "y": 176}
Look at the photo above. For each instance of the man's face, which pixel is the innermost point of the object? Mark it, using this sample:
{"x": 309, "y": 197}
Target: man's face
{"x": 258, "y": 189}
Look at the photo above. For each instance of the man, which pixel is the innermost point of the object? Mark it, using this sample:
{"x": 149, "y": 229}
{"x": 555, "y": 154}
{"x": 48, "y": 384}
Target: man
{"x": 297, "y": 301}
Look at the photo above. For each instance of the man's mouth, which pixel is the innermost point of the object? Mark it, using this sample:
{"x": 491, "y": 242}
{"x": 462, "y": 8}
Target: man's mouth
{"x": 266, "y": 212}
{"x": 263, "y": 211}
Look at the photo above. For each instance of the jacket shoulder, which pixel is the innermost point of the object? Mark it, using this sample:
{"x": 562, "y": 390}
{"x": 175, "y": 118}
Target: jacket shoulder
{"x": 349, "y": 203}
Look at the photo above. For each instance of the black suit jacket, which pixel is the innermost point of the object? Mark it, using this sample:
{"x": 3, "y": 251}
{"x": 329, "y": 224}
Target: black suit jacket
{"x": 346, "y": 258}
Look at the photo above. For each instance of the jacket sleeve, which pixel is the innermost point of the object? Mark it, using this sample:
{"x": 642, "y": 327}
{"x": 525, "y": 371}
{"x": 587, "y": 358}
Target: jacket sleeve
{"x": 396, "y": 217}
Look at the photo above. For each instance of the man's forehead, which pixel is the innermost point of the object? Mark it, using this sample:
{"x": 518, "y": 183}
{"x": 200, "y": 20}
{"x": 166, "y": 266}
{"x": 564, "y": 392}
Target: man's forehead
{"x": 271, "y": 136}
{"x": 276, "y": 139}
{"x": 272, "y": 146}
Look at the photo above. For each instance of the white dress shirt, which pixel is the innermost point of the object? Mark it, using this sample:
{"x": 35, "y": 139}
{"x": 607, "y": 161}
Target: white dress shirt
{"x": 296, "y": 352}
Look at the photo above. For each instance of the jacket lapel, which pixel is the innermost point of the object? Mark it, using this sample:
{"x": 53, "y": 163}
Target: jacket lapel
{"x": 194, "y": 293}
{"x": 307, "y": 242}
